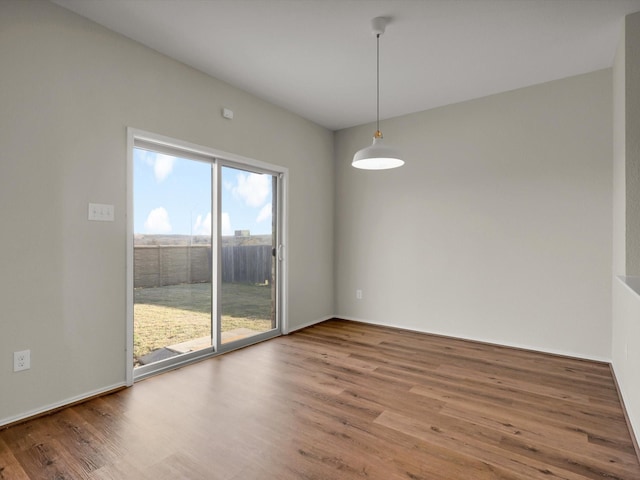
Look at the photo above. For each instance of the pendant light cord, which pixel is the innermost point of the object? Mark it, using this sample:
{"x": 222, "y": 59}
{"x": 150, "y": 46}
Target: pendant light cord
{"x": 377, "y": 83}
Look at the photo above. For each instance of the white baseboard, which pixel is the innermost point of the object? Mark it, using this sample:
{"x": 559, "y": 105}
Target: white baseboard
{"x": 632, "y": 432}
{"x": 489, "y": 341}
{"x": 87, "y": 395}
{"x": 60, "y": 404}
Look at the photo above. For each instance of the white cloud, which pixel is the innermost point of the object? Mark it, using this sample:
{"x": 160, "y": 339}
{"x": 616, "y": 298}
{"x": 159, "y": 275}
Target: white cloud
{"x": 252, "y": 188}
{"x": 163, "y": 166}
{"x": 225, "y": 222}
{"x": 145, "y": 156}
{"x": 158, "y": 221}
{"x": 203, "y": 227}
{"x": 265, "y": 213}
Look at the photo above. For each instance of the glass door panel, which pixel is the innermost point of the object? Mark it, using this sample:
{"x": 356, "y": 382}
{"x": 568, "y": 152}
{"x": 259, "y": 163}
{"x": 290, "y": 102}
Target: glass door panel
{"x": 248, "y": 218}
{"x": 172, "y": 256}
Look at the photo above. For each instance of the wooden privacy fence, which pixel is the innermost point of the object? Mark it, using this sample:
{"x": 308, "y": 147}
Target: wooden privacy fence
{"x": 246, "y": 263}
{"x": 160, "y": 265}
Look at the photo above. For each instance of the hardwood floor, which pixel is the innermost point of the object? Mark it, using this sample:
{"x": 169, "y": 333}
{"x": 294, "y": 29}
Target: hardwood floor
{"x": 342, "y": 400}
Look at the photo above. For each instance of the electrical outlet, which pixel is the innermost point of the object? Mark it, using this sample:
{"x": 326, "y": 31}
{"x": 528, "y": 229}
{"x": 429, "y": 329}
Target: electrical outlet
{"x": 21, "y": 360}
{"x": 359, "y": 294}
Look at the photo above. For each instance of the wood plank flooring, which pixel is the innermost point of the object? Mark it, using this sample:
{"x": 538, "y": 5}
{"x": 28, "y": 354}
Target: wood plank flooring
{"x": 342, "y": 400}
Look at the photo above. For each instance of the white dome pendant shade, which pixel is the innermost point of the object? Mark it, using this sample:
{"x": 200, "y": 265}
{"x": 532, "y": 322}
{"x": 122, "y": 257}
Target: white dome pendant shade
{"x": 377, "y": 156}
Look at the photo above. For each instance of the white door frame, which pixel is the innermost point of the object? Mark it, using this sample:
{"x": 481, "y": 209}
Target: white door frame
{"x": 162, "y": 142}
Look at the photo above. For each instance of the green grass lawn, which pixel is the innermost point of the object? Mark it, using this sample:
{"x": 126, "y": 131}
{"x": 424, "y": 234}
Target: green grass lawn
{"x": 177, "y": 313}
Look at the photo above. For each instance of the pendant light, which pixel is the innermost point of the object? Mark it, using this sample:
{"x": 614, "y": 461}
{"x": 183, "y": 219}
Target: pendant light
{"x": 377, "y": 156}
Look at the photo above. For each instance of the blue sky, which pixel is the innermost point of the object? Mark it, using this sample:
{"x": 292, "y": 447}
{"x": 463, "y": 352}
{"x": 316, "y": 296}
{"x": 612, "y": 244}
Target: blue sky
{"x": 173, "y": 196}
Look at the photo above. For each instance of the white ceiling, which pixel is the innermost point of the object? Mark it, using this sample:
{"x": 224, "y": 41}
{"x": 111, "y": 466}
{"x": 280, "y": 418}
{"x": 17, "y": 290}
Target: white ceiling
{"x": 317, "y": 57}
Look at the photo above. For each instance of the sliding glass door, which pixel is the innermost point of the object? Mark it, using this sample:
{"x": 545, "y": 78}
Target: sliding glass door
{"x": 172, "y": 256}
{"x": 248, "y": 293}
{"x": 205, "y": 257}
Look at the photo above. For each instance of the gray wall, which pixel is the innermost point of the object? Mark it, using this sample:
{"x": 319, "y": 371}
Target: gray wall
{"x": 68, "y": 90}
{"x": 626, "y": 214}
{"x": 498, "y": 228}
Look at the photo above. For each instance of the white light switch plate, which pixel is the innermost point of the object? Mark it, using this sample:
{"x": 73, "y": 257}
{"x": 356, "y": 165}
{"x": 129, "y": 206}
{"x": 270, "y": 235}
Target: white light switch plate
{"x": 100, "y": 212}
